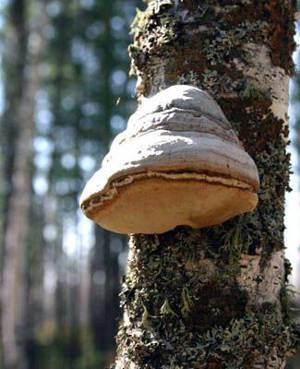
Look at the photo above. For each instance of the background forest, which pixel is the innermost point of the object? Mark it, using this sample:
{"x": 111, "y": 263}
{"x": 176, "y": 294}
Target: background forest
{"x": 64, "y": 94}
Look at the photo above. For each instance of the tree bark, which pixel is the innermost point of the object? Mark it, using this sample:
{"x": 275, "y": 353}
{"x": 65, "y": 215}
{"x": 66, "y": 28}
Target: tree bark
{"x": 13, "y": 319}
{"x": 216, "y": 298}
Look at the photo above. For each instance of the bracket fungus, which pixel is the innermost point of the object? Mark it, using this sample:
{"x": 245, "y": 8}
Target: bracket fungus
{"x": 179, "y": 162}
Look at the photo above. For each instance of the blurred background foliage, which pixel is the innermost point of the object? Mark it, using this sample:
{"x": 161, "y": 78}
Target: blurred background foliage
{"x": 83, "y": 97}
{"x": 64, "y": 94}
{"x": 294, "y": 115}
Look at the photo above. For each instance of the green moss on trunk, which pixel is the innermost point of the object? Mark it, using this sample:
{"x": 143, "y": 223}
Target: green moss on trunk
{"x": 189, "y": 299}
{"x": 183, "y": 311}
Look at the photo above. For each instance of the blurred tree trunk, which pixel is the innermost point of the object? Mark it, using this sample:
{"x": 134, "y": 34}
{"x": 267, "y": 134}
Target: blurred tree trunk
{"x": 56, "y": 97}
{"x": 13, "y": 319}
{"x": 14, "y": 66}
{"x": 14, "y": 60}
{"x": 104, "y": 262}
{"x": 216, "y": 298}
{"x": 104, "y": 310}
{"x": 34, "y": 275}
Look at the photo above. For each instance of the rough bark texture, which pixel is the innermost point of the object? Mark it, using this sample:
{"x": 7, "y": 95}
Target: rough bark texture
{"x": 216, "y": 298}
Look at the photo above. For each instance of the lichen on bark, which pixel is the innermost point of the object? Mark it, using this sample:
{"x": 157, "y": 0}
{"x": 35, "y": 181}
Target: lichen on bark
{"x": 216, "y": 298}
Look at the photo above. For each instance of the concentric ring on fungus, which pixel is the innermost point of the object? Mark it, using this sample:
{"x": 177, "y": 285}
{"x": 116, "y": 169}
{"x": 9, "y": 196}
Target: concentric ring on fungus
{"x": 179, "y": 162}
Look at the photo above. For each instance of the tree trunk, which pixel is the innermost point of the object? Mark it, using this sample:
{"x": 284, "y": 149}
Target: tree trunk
{"x": 14, "y": 60}
{"x": 13, "y": 317}
{"x": 34, "y": 275}
{"x": 216, "y": 298}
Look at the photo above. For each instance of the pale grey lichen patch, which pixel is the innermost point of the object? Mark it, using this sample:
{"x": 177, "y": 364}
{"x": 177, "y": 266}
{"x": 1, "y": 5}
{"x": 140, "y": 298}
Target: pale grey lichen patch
{"x": 269, "y": 80}
{"x": 262, "y": 285}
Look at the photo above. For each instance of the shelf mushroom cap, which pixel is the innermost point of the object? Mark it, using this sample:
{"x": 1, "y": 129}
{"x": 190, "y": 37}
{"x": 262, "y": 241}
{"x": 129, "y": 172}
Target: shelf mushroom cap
{"x": 179, "y": 162}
